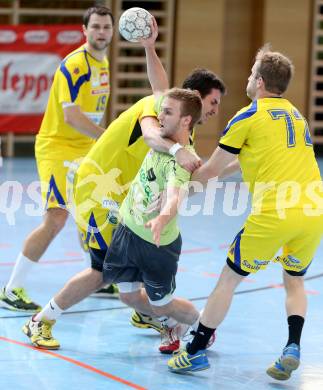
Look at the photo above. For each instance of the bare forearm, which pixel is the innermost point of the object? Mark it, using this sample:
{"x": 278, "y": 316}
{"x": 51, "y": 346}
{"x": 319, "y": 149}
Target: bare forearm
{"x": 156, "y": 142}
{"x": 169, "y": 211}
{"x": 151, "y": 133}
{"x": 75, "y": 117}
{"x": 203, "y": 174}
{"x": 230, "y": 169}
{"x": 85, "y": 126}
{"x": 214, "y": 167}
{"x": 156, "y": 73}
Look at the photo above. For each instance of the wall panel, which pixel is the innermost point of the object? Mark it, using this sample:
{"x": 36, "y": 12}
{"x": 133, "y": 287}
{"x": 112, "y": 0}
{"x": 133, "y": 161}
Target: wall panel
{"x": 287, "y": 26}
{"x": 199, "y": 41}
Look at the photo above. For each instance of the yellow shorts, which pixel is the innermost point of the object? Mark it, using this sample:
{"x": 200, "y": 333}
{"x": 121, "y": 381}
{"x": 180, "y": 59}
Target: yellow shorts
{"x": 97, "y": 227}
{"x": 56, "y": 178}
{"x": 96, "y": 215}
{"x": 265, "y": 234}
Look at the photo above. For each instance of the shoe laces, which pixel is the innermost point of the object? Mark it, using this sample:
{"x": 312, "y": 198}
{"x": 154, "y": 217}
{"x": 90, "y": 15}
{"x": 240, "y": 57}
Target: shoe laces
{"x": 46, "y": 329}
{"x": 21, "y": 293}
{"x": 178, "y": 357}
{"x": 168, "y": 335}
{"x": 291, "y": 349}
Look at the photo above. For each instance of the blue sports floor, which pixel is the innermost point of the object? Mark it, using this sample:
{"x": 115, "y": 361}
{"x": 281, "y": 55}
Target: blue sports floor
{"x": 101, "y": 350}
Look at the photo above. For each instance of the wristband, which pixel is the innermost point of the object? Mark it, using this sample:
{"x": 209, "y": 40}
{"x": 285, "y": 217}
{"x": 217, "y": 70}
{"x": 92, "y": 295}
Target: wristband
{"x": 174, "y": 149}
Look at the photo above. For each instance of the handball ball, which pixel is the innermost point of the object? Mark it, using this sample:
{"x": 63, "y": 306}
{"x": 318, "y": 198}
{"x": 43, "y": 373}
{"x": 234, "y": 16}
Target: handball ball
{"x": 134, "y": 24}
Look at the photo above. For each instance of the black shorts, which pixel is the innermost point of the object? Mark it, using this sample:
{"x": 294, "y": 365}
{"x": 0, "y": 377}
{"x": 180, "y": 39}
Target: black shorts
{"x": 132, "y": 259}
{"x": 97, "y": 258}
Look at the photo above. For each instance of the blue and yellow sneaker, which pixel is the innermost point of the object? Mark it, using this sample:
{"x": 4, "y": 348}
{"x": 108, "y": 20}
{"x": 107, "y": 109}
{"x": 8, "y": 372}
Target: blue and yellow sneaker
{"x": 288, "y": 362}
{"x": 182, "y": 362}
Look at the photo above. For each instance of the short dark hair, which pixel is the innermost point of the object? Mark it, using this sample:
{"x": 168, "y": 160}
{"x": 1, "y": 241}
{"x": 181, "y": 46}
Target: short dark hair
{"x": 99, "y": 10}
{"x": 204, "y": 80}
{"x": 191, "y": 103}
{"x": 275, "y": 69}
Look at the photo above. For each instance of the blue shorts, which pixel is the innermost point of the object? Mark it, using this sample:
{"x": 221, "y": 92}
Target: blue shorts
{"x": 132, "y": 259}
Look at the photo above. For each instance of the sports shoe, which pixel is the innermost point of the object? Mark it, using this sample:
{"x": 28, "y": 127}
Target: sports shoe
{"x": 171, "y": 338}
{"x": 142, "y": 321}
{"x": 110, "y": 291}
{"x": 184, "y": 362}
{"x": 40, "y": 333}
{"x": 288, "y": 362}
{"x": 18, "y": 300}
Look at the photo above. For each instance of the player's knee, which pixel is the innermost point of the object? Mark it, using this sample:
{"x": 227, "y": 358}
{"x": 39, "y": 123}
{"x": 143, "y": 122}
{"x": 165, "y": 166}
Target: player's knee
{"x": 292, "y": 282}
{"x": 97, "y": 278}
{"x": 55, "y": 220}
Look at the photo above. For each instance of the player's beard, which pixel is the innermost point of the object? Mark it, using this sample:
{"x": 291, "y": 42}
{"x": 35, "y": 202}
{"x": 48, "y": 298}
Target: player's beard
{"x": 99, "y": 46}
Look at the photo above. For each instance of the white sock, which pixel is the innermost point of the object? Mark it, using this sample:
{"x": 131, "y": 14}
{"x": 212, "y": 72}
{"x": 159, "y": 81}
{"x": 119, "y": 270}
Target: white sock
{"x": 21, "y": 270}
{"x": 168, "y": 321}
{"x": 50, "y": 312}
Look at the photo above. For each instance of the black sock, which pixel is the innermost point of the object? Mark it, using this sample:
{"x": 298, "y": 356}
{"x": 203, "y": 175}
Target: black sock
{"x": 200, "y": 340}
{"x": 295, "y": 326}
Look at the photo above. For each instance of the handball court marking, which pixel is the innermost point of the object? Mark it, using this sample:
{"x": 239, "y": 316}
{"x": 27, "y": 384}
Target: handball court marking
{"x": 251, "y": 290}
{"x": 75, "y": 362}
{"x": 79, "y": 259}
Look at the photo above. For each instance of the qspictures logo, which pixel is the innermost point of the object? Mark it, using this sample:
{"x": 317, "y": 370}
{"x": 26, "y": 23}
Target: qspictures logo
{"x": 106, "y": 190}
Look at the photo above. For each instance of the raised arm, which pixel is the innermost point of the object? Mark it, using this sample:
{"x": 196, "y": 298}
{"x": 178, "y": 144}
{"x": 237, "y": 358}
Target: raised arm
{"x": 159, "y": 83}
{"x": 156, "y": 73}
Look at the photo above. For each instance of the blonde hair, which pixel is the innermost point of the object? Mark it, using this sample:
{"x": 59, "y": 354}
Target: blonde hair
{"x": 191, "y": 103}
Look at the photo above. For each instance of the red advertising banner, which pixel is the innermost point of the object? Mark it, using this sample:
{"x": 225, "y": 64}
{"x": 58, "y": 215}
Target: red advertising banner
{"x": 29, "y": 56}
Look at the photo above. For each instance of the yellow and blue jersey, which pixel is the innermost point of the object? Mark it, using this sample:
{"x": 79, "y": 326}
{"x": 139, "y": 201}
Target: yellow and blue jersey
{"x": 273, "y": 144}
{"x": 81, "y": 80}
{"x": 122, "y": 145}
{"x": 104, "y": 176}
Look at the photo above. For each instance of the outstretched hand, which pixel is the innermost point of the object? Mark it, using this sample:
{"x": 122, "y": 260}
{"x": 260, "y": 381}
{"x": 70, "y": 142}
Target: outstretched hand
{"x": 150, "y": 41}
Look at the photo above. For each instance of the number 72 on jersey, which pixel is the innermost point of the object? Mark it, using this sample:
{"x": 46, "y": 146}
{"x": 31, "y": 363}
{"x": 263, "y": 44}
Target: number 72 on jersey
{"x": 289, "y": 121}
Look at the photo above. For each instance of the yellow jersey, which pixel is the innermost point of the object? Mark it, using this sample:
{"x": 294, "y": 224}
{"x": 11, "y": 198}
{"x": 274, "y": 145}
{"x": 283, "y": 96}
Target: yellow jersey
{"x": 105, "y": 174}
{"x": 121, "y": 146}
{"x": 276, "y": 154}
{"x": 81, "y": 80}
